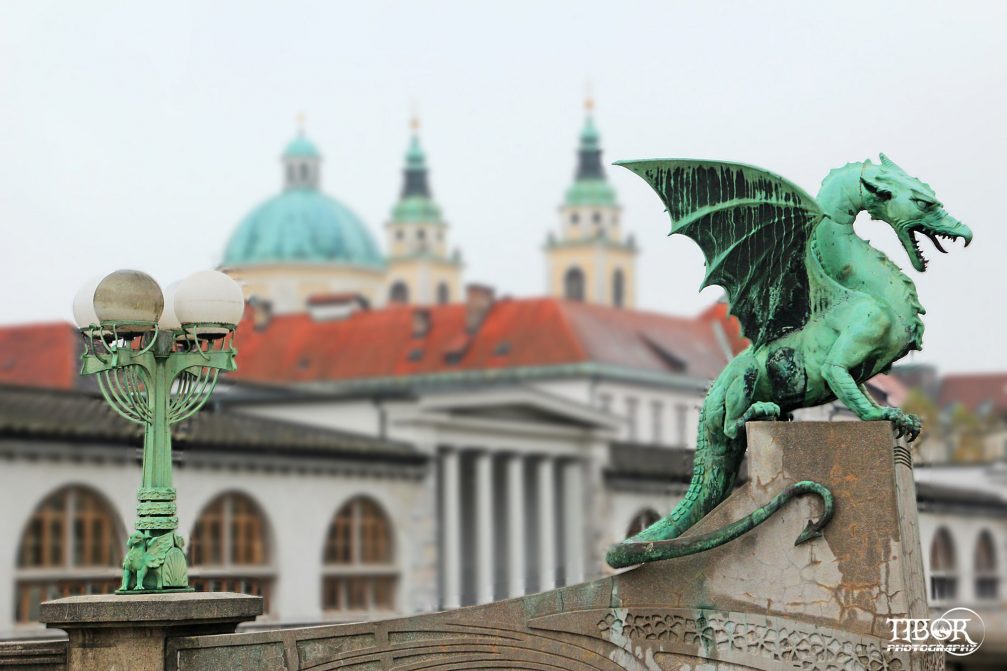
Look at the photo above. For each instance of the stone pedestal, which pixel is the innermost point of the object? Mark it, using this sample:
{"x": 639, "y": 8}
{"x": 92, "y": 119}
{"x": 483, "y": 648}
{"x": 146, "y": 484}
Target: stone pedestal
{"x": 128, "y": 632}
{"x": 757, "y": 602}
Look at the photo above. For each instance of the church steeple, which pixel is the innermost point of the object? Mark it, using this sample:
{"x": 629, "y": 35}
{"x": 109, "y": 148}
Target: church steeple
{"x": 590, "y": 260}
{"x": 590, "y": 188}
{"x": 416, "y": 203}
{"x": 421, "y": 270}
{"x": 414, "y": 181}
{"x": 589, "y": 155}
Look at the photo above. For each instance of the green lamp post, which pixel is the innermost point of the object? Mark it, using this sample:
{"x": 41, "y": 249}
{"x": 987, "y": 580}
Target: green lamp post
{"x": 156, "y": 359}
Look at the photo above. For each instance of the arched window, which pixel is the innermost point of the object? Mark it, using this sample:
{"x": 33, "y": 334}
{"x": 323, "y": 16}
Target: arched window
{"x": 987, "y": 576}
{"x": 943, "y": 578}
{"x": 573, "y": 284}
{"x": 359, "y": 573}
{"x": 229, "y": 548}
{"x": 399, "y": 293}
{"x": 76, "y": 535}
{"x": 443, "y": 293}
{"x": 641, "y": 521}
{"x": 618, "y": 288}
{"x": 304, "y": 172}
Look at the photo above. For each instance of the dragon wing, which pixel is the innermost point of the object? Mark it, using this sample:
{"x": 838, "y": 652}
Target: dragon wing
{"x": 753, "y": 227}
{"x": 157, "y": 549}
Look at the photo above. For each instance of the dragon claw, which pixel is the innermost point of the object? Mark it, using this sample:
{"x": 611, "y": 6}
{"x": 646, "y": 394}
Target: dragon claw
{"x": 903, "y": 423}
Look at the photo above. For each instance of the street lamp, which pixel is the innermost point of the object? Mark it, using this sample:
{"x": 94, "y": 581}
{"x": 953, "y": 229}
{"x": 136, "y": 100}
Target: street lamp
{"x": 156, "y": 359}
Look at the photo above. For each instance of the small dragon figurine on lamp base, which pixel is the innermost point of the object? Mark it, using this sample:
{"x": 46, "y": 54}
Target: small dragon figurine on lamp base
{"x": 823, "y": 309}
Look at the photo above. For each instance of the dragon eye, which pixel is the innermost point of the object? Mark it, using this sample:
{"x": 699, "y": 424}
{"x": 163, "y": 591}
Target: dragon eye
{"x": 923, "y": 204}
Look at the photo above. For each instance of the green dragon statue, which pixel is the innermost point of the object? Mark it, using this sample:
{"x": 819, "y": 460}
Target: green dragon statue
{"x": 824, "y": 312}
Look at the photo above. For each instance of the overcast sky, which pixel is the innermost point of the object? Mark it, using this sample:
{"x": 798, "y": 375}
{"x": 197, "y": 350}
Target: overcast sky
{"x": 137, "y": 137}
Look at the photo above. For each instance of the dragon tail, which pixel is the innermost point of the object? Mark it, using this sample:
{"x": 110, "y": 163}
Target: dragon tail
{"x": 715, "y": 470}
{"x": 695, "y": 504}
{"x": 631, "y": 552}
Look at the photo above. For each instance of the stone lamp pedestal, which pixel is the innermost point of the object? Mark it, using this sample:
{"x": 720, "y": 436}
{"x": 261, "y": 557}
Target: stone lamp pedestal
{"x": 128, "y": 633}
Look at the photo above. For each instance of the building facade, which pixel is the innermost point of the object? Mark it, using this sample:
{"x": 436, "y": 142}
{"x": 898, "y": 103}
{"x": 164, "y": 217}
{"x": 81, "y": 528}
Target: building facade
{"x": 391, "y": 444}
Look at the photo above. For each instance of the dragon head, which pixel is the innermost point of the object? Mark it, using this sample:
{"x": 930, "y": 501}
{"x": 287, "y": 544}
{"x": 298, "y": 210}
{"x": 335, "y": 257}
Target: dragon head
{"x": 910, "y": 207}
{"x": 136, "y": 539}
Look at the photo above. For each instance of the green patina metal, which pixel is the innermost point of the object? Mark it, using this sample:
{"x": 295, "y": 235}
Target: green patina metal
{"x": 156, "y": 379}
{"x": 416, "y": 204}
{"x": 301, "y": 147}
{"x": 417, "y": 209}
{"x": 823, "y": 309}
{"x": 590, "y": 188}
{"x": 303, "y": 225}
{"x": 590, "y": 192}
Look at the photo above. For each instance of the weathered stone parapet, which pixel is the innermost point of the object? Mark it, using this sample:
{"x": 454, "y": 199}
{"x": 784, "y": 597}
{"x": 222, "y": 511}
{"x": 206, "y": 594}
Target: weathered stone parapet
{"x": 757, "y": 602}
{"x": 129, "y": 632}
{"x": 33, "y": 655}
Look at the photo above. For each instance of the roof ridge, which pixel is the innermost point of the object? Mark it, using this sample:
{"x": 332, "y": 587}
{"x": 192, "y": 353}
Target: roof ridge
{"x": 987, "y": 374}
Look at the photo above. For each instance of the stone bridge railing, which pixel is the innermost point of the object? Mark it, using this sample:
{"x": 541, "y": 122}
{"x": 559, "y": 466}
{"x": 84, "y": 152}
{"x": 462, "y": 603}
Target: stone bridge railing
{"x": 33, "y": 655}
{"x": 757, "y": 602}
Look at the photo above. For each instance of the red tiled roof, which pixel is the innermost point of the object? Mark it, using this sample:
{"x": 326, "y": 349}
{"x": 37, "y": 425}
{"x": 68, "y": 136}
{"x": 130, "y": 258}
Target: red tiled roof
{"x": 515, "y": 333}
{"x": 40, "y": 355}
{"x": 974, "y": 390}
{"x": 892, "y": 388}
{"x": 730, "y": 325}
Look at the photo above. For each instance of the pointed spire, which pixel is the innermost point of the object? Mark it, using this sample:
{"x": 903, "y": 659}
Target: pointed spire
{"x": 415, "y": 173}
{"x": 589, "y": 155}
{"x": 590, "y": 186}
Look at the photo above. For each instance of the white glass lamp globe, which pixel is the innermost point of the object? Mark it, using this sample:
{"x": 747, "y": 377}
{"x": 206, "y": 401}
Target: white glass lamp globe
{"x": 169, "y": 320}
{"x": 129, "y": 296}
{"x": 83, "y": 303}
{"x": 209, "y": 297}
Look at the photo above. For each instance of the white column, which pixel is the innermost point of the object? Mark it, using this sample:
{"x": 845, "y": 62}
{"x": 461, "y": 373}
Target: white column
{"x": 573, "y": 529}
{"x": 452, "y": 529}
{"x": 515, "y": 526}
{"x": 546, "y": 524}
{"x": 485, "y": 566}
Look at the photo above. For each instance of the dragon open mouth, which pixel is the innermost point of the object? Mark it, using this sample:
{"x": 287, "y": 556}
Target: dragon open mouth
{"x": 935, "y": 237}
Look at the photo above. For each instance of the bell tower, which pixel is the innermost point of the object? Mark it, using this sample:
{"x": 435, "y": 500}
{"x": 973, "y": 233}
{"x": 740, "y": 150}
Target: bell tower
{"x": 420, "y": 268}
{"x": 590, "y": 260}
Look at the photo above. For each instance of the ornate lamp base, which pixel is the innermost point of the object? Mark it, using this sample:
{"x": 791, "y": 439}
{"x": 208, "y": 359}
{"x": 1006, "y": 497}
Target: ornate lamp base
{"x": 155, "y": 559}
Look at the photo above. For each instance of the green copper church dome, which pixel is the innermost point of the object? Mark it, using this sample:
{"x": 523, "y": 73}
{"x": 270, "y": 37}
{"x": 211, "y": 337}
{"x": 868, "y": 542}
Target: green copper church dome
{"x": 302, "y": 224}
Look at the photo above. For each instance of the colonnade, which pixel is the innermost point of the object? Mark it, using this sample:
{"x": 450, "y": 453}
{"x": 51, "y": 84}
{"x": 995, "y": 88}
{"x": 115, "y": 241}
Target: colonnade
{"x": 516, "y": 500}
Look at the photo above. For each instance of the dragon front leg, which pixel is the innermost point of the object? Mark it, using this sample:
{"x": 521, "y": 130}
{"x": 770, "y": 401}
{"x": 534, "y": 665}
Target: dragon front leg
{"x": 854, "y": 346}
